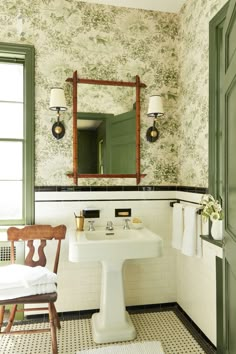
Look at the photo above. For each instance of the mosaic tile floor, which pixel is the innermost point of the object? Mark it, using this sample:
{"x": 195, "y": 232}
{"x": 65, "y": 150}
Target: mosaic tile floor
{"x": 75, "y": 334}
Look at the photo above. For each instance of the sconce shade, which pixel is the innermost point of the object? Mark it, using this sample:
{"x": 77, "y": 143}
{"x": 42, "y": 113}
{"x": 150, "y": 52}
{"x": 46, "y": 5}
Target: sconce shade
{"x": 57, "y": 99}
{"x": 155, "y": 107}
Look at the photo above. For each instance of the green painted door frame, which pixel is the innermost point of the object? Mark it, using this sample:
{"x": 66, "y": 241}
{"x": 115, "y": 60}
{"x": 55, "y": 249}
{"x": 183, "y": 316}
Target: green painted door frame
{"x": 216, "y": 72}
{"x": 215, "y": 123}
{"x": 228, "y": 99}
{"x": 222, "y": 163}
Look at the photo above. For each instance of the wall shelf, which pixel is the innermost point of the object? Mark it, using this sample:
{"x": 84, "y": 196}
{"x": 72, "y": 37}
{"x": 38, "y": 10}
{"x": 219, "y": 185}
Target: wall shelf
{"x": 209, "y": 239}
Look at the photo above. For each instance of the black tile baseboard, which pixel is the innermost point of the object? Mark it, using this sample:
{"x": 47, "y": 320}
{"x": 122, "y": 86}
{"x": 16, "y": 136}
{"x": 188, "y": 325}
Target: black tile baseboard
{"x": 190, "y": 189}
{"x": 195, "y": 331}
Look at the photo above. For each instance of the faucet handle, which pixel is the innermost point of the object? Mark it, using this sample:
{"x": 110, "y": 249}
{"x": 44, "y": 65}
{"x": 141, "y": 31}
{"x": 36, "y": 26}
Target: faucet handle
{"x": 91, "y": 225}
{"x": 126, "y": 225}
{"x": 109, "y": 225}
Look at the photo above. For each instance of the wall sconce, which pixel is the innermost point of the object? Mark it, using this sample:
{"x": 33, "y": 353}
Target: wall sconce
{"x": 155, "y": 110}
{"x": 58, "y": 103}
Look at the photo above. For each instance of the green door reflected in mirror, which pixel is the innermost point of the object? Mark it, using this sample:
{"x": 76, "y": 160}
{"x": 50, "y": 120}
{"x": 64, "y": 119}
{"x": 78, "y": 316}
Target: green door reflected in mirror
{"x": 106, "y": 143}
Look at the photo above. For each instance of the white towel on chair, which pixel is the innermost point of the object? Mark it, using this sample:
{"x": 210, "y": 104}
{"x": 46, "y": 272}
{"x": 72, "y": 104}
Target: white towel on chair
{"x": 19, "y": 275}
{"x": 189, "y": 245}
{"x": 177, "y": 226}
{"x": 39, "y": 289}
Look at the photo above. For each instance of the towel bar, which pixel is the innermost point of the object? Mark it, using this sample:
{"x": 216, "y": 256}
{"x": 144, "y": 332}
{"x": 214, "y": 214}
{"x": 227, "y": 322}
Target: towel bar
{"x": 199, "y": 211}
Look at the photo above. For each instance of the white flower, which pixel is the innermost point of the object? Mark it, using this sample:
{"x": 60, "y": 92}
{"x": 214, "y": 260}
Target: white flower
{"x": 214, "y": 216}
{"x": 211, "y": 208}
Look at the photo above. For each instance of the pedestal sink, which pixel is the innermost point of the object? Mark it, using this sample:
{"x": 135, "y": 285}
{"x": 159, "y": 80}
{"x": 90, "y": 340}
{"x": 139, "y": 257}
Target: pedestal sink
{"x": 112, "y": 323}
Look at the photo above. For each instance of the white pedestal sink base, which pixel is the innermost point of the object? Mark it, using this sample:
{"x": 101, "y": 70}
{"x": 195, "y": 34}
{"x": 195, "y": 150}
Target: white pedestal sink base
{"x": 112, "y": 323}
{"x": 121, "y": 332}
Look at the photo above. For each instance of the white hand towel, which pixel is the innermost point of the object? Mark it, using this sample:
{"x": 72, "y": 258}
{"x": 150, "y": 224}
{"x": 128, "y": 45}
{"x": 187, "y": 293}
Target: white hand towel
{"x": 177, "y": 226}
{"x": 189, "y": 245}
{"x": 18, "y": 275}
{"x": 199, "y": 232}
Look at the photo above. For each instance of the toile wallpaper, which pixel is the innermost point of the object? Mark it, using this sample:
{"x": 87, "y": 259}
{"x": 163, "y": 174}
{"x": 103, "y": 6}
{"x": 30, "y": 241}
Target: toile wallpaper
{"x": 193, "y": 90}
{"x": 168, "y": 51}
{"x": 100, "y": 42}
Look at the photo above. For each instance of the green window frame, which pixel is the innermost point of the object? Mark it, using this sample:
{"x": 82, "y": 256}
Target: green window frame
{"x": 24, "y": 54}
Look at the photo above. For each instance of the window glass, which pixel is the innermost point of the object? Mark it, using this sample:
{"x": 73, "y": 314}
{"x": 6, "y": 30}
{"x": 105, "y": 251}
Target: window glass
{"x": 11, "y": 151}
{"x": 16, "y": 134}
{"x": 11, "y": 83}
{"x": 11, "y": 160}
{"x": 11, "y": 200}
{"x": 11, "y": 120}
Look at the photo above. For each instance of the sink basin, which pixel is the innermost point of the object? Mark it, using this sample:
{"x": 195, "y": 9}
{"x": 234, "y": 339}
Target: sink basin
{"x": 111, "y": 235}
{"x": 101, "y": 244}
{"x": 112, "y": 323}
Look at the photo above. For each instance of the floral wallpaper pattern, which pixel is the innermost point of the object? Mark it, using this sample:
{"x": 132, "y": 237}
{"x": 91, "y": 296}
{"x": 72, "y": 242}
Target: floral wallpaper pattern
{"x": 168, "y": 51}
{"x": 193, "y": 90}
{"x": 100, "y": 42}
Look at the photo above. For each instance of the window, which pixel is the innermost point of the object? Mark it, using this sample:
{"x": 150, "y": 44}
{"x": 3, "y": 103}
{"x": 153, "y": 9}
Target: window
{"x": 16, "y": 134}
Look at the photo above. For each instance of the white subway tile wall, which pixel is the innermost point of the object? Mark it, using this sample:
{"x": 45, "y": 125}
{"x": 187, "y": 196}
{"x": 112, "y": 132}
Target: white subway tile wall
{"x": 196, "y": 283}
{"x": 147, "y": 281}
{"x": 189, "y": 281}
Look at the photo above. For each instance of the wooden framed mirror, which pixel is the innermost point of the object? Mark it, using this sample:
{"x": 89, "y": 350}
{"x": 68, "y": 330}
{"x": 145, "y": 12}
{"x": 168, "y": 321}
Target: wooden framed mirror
{"x": 106, "y": 139}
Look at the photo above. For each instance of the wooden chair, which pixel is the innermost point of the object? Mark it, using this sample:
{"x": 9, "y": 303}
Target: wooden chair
{"x": 29, "y": 234}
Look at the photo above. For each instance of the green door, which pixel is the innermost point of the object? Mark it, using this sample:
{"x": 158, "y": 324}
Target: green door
{"x": 87, "y": 151}
{"x": 229, "y": 185}
{"x": 121, "y": 143}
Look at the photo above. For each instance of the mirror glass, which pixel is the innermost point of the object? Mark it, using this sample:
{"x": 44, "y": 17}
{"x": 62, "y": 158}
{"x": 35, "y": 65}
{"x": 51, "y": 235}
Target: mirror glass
{"x": 106, "y": 129}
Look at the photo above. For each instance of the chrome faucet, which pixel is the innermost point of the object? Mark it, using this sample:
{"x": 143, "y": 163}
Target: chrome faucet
{"x": 109, "y": 226}
{"x": 126, "y": 225}
{"x": 91, "y": 225}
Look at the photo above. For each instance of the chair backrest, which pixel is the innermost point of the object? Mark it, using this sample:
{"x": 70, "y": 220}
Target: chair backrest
{"x": 41, "y": 233}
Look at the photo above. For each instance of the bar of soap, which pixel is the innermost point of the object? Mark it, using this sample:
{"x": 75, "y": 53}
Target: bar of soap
{"x": 136, "y": 221}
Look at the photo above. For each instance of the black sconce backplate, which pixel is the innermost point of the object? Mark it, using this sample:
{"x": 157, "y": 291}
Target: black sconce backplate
{"x": 58, "y": 130}
{"x": 152, "y": 134}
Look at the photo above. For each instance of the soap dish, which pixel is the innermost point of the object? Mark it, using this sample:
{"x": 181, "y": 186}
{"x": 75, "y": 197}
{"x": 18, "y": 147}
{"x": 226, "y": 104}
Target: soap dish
{"x": 136, "y": 223}
{"x": 137, "y": 226}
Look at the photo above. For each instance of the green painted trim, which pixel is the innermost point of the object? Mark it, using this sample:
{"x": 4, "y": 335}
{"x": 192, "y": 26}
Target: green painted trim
{"x": 29, "y": 130}
{"x": 26, "y": 52}
{"x": 215, "y": 160}
{"x": 216, "y": 147}
{"x": 219, "y": 305}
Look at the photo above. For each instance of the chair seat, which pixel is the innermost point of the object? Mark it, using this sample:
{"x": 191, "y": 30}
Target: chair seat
{"x": 32, "y": 299}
